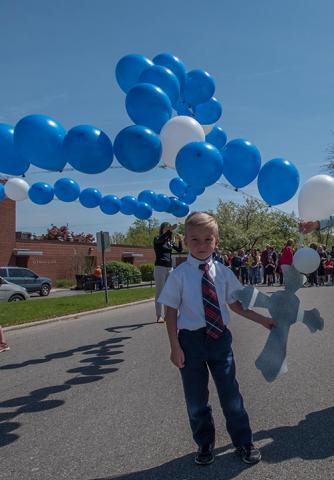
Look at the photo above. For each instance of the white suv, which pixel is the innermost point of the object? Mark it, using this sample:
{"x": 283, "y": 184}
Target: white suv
{"x": 9, "y": 292}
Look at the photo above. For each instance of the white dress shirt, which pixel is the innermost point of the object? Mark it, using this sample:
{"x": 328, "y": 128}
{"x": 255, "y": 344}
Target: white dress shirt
{"x": 183, "y": 291}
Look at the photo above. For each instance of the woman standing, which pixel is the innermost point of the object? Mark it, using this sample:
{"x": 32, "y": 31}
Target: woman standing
{"x": 285, "y": 258}
{"x": 163, "y": 247}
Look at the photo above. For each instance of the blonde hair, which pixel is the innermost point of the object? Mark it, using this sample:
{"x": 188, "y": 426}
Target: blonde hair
{"x": 202, "y": 219}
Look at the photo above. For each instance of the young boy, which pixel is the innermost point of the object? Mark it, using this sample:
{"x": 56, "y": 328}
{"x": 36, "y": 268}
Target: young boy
{"x": 200, "y": 289}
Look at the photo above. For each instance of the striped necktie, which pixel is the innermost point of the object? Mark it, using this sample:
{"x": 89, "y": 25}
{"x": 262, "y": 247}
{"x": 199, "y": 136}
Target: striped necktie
{"x": 213, "y": 317}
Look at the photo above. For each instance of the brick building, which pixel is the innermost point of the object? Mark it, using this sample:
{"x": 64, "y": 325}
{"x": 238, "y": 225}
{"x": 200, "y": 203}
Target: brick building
{"x": 55, "y": 259}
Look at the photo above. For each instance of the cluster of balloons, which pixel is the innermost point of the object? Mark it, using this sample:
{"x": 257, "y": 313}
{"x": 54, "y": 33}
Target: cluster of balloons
{"x": 190, "y": 141}
{"x": 68, "y": 190}
{"x": 315, "y": 202}
{"x": 174, "y": 114}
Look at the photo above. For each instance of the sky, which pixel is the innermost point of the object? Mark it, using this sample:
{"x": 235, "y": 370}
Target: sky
{"x": 272, "y": 62}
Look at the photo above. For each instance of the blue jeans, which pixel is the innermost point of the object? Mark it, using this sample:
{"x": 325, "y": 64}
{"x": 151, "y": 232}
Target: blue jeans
{"x": 202, "y": 354}
{"x": 252, "y": 272}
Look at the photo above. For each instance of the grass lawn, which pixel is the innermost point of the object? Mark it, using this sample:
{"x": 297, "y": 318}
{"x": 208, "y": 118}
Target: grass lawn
{"x": 33, "y": 310}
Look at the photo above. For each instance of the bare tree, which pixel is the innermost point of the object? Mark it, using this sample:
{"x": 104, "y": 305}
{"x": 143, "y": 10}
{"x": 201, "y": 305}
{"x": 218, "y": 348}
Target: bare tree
{"x": 330, "y": 157}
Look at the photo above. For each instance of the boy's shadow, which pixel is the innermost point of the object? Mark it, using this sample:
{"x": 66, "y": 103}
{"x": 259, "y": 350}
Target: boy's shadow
{"x": 311, "y": 439}
{"x": 226, "y": 467}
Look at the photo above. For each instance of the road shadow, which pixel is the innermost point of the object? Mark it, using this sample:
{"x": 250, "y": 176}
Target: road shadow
{"x": 95, "y": 361}
{"x": 311, "y": 439}
{"x": 69, "y": 353}
{"x": 135, "y": 326}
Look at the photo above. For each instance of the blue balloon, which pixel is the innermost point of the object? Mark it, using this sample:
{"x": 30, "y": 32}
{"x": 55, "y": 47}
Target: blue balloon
{"x": 177, "y": 186}
{"x": 199, "y": 87}
{"x": 39, "y": 140}
{"x": 147, "y": 196}
{"x": 128, "y": 205}
{"x": 195, "y": 190}
{"x": 199, "y": 164}
{"x": 110, "y": 204}
{"x": 129, "y": 69}
{"x": 11, "y": 161}
{"x": 181, "y": 209}
{"x": 188, "y": 198}
{"x": 278, "y": 181}
{"x": 174, "y": 64}
{"x": 137, "y": 148}
{"x": 88, "y": 149}
{"x": 2, "y": 192}
{"x": 148, "y": 105}
{"x": 242, "y": 162}
{"x": 217, "y": 137}
{"x": 183, "y": 108}
{"x": 173, "y": 205}
{"x": 66, "y": 189}
{"x": 208, "y": 112}
{"x": 90, "y": 197}
{"x": 164, "y": 78}
{"x": 143, "y": 211}
{"x": 41, "y": 193}
{"x": 162, "y": 203}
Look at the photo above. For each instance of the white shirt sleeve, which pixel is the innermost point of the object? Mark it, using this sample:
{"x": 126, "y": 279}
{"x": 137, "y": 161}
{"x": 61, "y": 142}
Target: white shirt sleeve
{"x": 171, "y": 292}
{"x": 232, "y": 287}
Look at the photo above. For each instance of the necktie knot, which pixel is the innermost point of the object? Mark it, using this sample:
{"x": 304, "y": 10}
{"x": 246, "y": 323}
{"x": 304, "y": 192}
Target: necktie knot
{"x": 204, "y": 267}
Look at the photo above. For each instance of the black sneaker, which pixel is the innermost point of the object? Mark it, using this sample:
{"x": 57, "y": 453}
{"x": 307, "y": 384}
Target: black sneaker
{"x": 204, "y": 455}
{"x": 249, "y": 454}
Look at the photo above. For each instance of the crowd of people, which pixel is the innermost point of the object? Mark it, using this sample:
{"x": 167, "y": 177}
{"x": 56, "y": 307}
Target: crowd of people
{"x": 257, "y": 267}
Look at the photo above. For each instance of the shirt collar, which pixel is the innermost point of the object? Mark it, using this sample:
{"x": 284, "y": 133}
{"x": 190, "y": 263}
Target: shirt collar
{"x": 195, "y": 262}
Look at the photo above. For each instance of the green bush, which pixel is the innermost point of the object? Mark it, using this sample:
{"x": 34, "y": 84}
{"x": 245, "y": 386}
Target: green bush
{"x": 147, "y": 270}
{"x": 65, "y": 283}
{"x": 124, "y": 270}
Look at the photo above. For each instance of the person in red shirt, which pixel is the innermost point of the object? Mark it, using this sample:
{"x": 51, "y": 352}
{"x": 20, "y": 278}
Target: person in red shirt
{"x": 329, "y": 266}
{"x": 285, "y": 258}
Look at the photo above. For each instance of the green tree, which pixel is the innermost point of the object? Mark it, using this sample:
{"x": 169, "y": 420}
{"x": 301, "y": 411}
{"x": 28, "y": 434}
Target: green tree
{"x": 118, "y": 238}
{"x": 253, "y": 225}
{"x": 142, "y": 232}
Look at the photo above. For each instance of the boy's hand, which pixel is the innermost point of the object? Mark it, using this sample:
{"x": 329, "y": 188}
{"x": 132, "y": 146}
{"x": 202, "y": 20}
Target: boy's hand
{"x": 177, "y": 357}
{"x": 268, "y": 322}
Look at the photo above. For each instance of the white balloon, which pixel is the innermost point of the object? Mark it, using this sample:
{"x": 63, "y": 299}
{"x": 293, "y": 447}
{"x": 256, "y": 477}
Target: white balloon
{"x": 316, "y": 198}
{"x": 207, "y": 128}
{"x": 16, "y": 189}
{"x": 306, "y": 260}
{"x": 175, "y": 134}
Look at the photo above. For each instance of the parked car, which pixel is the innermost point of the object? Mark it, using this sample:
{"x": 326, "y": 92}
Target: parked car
{"x": 27, "y": 279}
{"x": 10, "y": 292}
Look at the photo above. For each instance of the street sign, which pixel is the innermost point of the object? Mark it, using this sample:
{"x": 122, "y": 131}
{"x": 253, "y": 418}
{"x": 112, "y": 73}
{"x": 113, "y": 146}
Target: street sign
{"x": 102, "y": 244}
{"x": 102, "y": 241}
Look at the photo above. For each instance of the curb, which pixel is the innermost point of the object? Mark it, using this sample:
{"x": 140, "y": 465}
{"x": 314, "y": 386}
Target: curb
{"x": 74, "y": 316}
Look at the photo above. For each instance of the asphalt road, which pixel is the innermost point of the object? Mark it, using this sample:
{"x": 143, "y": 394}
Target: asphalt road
{"x": 96, "y": 398}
